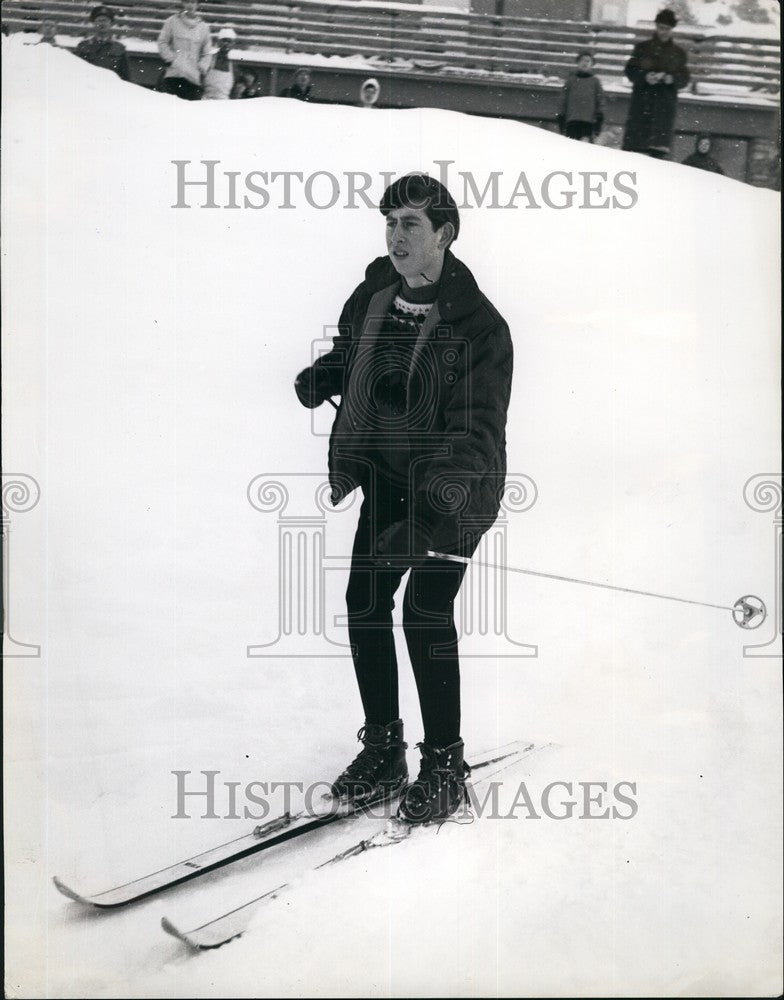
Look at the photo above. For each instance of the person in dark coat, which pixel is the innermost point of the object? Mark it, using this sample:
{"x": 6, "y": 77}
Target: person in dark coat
{"x": 246, "y": 86}
{"x": 423, "y": 365}
{"x": 301, "y": 87}
{"x": 582, "y": 107}
{"x": 101, "y": 49}
{"x": 658, "y": 70}
{"x": 701, "y": 157}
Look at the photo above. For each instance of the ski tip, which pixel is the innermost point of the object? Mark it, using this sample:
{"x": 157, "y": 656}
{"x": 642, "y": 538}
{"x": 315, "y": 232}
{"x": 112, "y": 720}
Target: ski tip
{"x": 184, "y": 936}
{"x": 67, "y": 892}
{"x": 169, "y": 927}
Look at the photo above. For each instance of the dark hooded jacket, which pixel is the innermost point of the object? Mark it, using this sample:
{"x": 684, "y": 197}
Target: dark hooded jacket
{"x": 653, "y": 106}
{"x": 703, "y": 161}
{"x": 108, "y": 54}
{"x": 456, "y": 427}
{"x": 297, "y": 92}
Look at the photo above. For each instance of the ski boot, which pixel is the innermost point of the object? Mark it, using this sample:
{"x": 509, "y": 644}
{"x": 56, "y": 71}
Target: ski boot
{"x": 440, "y": 788}
{"x": 379, "y": 771}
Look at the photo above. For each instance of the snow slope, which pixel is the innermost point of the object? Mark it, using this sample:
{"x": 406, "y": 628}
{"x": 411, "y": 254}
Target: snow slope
{"x": 148, "y": 357}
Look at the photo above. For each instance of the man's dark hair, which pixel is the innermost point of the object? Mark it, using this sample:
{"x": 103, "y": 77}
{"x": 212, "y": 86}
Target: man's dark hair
{"x": 421, "y": 191}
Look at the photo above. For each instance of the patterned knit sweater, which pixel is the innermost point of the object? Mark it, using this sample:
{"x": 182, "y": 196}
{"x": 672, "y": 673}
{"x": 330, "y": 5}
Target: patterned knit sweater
{"x": 389, "y": 381}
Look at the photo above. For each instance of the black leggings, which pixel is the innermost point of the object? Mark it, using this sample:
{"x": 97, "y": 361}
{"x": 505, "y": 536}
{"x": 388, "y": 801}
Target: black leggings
{"x": 428, "y": 624}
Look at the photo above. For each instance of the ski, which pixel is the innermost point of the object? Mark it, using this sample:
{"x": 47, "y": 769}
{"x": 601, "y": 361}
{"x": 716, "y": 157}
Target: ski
{"x": 232, "y": 924}
{"x": 269, "y": 834}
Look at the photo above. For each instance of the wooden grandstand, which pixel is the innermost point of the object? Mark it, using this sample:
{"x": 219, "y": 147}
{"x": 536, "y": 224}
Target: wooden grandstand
{"x": 427, "y": 40}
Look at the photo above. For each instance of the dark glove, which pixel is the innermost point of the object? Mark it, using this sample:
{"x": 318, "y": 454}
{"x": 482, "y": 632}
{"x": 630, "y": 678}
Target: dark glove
{"x": 312, "y": 386}
{"x": 597, "y": 125}
{"x": 561, "y": 123}
{"x": 402, "y": 543}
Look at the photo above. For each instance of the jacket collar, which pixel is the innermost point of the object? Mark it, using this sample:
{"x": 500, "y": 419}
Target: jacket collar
{"x": 458, "y": 293}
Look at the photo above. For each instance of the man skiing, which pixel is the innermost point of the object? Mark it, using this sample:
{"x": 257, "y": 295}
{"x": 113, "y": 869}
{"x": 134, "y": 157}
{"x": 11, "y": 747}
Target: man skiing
{"x": 423, "y": 364}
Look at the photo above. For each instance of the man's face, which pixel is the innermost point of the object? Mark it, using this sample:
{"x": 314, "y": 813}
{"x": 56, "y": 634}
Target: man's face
{"x": 302, "y": 79}
{"x": 584, "y": 63}
{"x": 48, "y": 29}
{"x": 703, "y": 146}
{"x": 664, "y": 32}
{"x": 225, "y": 44}
{"x": 414, "y": 247}
{"x": 103, "y": 25}
{"x": 189, "y": 6}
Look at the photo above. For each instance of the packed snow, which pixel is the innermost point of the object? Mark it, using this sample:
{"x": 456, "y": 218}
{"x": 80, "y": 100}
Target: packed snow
{"x": 148, "y": 360}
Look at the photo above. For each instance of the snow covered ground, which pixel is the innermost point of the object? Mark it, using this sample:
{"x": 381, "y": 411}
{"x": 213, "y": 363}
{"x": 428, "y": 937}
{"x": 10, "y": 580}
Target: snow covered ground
{"x": 148, "y": 356}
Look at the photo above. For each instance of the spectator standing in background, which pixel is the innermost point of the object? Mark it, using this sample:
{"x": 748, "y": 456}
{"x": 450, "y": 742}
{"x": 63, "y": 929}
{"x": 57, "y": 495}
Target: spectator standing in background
{"x": 658, "y": 70}
{"x": 582, "y": 109}
{"x": 186, "y": 47}
{"x": 219, "y": 78}
{"x": 701, "y": 157}
{"x": 48, "y": 32}
{"x": 101, "y": 49}
{"x": 369, "y": 93}
{"x": 301, "y": 87}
